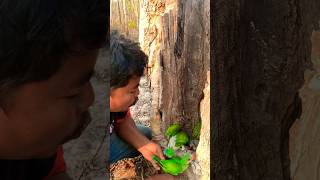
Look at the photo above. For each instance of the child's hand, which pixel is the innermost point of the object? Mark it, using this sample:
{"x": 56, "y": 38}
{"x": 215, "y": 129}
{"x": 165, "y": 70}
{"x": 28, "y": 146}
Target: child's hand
{"x": 149, "y": 150}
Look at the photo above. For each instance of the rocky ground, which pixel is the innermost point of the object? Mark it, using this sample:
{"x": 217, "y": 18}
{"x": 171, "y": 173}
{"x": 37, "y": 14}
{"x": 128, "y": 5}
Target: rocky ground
{"x": 141, "y": 110}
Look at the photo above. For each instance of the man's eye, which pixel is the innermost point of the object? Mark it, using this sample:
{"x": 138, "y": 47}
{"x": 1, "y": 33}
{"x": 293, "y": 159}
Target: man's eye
{"x": 72, "y": 96}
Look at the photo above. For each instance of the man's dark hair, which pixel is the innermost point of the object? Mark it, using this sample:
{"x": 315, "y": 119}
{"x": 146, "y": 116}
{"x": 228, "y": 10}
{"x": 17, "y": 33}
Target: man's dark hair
{"x": 37, "y": 35}
{"x": 127, "y": 60}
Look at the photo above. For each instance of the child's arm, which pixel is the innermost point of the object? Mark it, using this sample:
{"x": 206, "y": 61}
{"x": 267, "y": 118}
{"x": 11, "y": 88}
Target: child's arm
{"x": 128, "y": 131}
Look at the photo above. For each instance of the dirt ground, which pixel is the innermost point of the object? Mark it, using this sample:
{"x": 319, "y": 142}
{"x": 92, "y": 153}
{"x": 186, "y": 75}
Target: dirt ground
{"x": 132, "y": 169}
{"x": 86, "y": 157}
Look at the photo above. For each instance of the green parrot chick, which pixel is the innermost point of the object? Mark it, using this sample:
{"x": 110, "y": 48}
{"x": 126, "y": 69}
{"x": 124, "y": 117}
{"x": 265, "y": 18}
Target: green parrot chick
{"x": 169, "y": 166}
{"x": 174, "y": 166}
{"x": 169, "y": 152}
{"x": 173, "y": 130}
{"x": 181, "y": 139}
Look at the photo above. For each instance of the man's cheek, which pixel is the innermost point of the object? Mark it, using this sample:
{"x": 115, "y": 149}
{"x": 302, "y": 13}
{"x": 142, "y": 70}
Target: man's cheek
{"x": 67, "y": 120}
{"x": 127, "y": 100}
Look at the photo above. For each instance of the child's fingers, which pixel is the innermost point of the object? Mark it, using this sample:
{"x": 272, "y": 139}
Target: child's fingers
{"x": 155, "y": 165}
{"x": 193, "y": 156}
{"x": 162, "y": 156}
{"x": 160, "y": 153}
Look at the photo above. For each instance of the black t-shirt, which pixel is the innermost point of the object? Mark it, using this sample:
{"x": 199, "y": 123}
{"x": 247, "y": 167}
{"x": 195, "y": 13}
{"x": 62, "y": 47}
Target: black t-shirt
{"x": 31, "y": 169}
{"x": 114, "y": 116}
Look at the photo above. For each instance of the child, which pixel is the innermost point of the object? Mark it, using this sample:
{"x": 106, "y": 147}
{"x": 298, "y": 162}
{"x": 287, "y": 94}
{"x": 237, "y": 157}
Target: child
{"x": 48, "y": 50}
{"x": 127, "y": 139}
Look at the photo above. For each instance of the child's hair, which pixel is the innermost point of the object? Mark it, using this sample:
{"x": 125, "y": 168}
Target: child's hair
{"x": 127, "y": 60}
{"x": 37, "y": 35}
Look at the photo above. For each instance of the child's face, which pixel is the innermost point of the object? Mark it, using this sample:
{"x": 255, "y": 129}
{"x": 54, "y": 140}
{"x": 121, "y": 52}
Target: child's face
{"x": 43, "y": 115}
{"x": 124, "y": 97}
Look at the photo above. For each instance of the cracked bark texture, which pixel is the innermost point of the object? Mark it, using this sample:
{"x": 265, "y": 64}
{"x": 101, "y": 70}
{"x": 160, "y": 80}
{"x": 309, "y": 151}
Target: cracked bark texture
{"x": 176, "y": 38}
{"x": 175, "y": 35}
{"x": 260, "y": 51}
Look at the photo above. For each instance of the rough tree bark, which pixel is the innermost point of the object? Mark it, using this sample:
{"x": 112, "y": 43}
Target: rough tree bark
{"x": 175, "y": 35}
{"x": 260, "y": 50}
{"x": 176, "y": 44}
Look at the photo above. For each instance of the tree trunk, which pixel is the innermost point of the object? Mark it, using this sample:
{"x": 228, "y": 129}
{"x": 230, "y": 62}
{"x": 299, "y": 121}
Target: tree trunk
{"x": 119, "y": 11}
{"x": 175, "y": 35}
{"x": 260, "y": 50}
{"x": 125, "y": 17}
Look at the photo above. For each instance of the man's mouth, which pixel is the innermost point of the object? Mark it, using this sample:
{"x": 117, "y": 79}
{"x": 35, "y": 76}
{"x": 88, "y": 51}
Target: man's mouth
{"x": 84, "y": 122}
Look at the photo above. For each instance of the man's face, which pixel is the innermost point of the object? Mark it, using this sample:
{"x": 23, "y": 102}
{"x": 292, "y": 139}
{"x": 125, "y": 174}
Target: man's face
{"x": 124, "y": 97}
{"x": 44, "y": 115}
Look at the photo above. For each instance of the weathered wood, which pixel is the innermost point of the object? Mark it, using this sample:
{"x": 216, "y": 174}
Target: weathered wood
{"x": 260, "y": 50}
{"x": 176, "y": 38}
{"x": 182, "y": 60}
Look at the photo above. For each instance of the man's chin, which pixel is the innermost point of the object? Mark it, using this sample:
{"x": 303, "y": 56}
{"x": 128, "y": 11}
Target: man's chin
{"x": 86, "y": 119}
{"x": 72, "y": 137}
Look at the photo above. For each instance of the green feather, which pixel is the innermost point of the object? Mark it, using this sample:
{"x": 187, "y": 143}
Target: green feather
{"x": 169, "y": 152}
{"x": 173, "y": 130}
{"x": 181, "y": 139}
{"x": 169, "y": 166}
{"x": 196, "y": 131}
